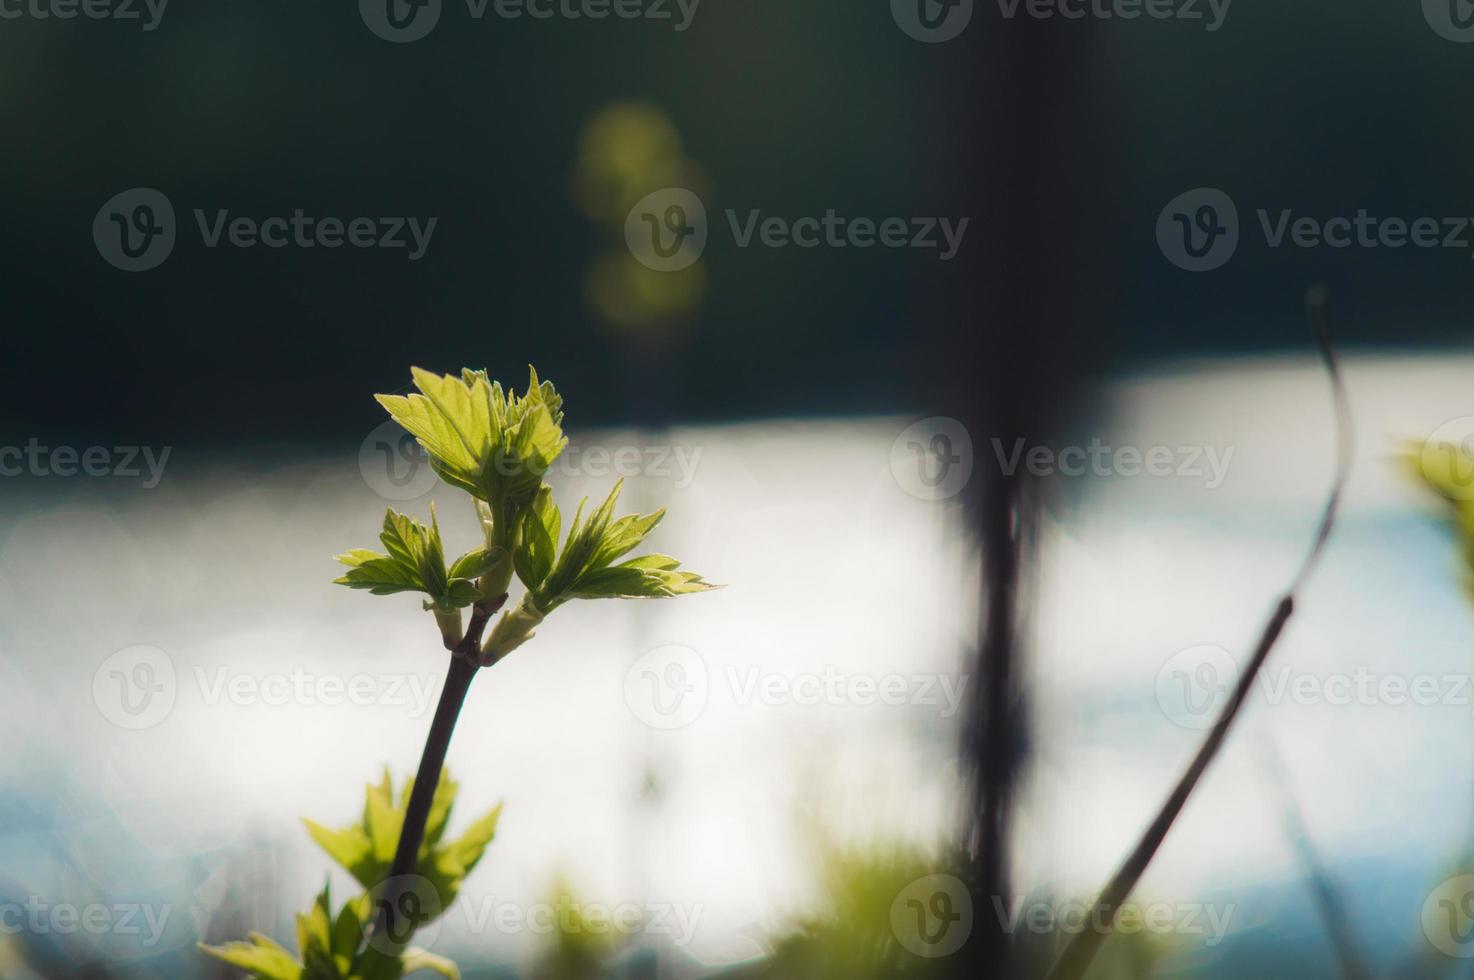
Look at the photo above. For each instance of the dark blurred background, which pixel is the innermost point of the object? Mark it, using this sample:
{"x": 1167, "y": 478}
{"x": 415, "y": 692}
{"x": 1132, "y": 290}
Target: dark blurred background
{"x": 1061, "y": 319}
{"x": 792, "y": 108}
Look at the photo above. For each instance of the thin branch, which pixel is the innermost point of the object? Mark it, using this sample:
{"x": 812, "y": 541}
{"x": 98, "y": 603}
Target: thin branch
{"x": 1077, "y": 956}
{"x": 463, "y": 668}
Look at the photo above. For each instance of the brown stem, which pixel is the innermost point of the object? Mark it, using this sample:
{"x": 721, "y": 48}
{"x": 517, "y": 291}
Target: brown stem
{"x": 463, "y": 667}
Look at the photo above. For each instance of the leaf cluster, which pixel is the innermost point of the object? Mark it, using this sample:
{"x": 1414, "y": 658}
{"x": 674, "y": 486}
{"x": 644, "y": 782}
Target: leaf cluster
{"x": 497, "y": 446}
{"x": 331, "y": 946}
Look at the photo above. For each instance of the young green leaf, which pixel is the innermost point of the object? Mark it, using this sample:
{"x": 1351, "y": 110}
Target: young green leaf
{"x": 475, "y": 564}
{"x": 420, "y": 959}
{"x": 540, "y": 527}
{"x": 315, "y": 927}
{"x": 585, "y": 569}
{"x": 366, "y": 849}
{"x": 494, "y": 447}
{"x": 261, "y": 956}
{"x": 415, "y": 562}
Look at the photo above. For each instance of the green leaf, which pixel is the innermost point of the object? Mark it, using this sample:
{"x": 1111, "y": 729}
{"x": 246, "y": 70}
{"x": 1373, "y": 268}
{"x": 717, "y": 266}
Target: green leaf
{"x": 401, "y": 537}
{"x": 350, "y": 847}
{"x": 624, "y": 536}
{"x": 315, "y": 927}
{"x": 261, "y": 956}
{"x": 382, "y": 576}
{"x": 367, "y": 848}
{"x": 475, "y": 564}
{"x": 470, "y": 846}
{"x": 618, "y": 583}
{"x": 656, "y": 562}
{"x": 415, "y": 562}
{"x": 383, "y": 823}
{"x": 349, "y": 926}
{"x": 580, "y": 549}
{"x": 451, "y": 420}
{"x": 584, "y": 569}
{"x": 541, "y": 523}
{"x": 492, "y": 447}
{"x": 420, "y": 959}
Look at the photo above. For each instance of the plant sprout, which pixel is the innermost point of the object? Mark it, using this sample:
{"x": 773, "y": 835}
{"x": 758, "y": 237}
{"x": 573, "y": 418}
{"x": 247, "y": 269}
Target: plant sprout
{"x": 497, "y": 447}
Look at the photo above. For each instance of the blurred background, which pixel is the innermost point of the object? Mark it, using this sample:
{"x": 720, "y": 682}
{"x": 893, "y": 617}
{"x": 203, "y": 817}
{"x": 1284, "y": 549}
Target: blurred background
{"x": 998, "y": 515}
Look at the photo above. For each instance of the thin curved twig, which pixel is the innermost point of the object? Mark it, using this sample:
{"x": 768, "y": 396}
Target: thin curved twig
{"x": 1076, "y": 958}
